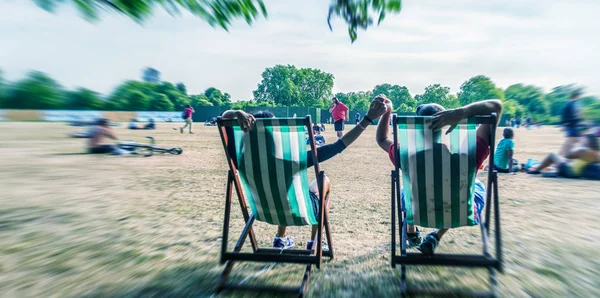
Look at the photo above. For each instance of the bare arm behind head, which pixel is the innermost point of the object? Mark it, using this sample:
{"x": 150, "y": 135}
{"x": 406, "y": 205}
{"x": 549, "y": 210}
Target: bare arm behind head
{"x": 480, "y": 108}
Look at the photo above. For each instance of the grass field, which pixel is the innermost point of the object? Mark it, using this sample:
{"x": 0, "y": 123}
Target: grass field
{"x": 76, "y": 225}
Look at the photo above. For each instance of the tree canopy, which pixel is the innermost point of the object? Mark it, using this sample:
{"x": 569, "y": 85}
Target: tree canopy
{"x": 357, "y": 14}
{"x": 288, "y": 86}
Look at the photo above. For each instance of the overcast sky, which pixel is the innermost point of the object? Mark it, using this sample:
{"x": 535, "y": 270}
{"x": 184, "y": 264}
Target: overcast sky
{"x": 545, "y": 43}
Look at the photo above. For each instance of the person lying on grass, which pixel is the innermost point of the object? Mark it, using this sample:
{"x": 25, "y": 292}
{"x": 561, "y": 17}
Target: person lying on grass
{"x": 442, "y": 118}
{"x": 575, "y": 161}
{"x": 246, "y": 121}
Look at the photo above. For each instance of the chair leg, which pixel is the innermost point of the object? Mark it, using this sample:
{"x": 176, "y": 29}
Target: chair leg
{"x": 493, "y": 282}
{"x": 305, "y": 281}
{"x": 402, "y": 280}
{"x": 328, "y": 236}
{"x": 224, "y": 276}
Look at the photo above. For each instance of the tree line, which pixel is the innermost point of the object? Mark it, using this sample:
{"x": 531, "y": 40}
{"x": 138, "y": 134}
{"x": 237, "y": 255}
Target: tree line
{"x": 289, "y": 86}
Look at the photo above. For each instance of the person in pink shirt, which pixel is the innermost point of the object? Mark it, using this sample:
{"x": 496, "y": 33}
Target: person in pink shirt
{"x": 187, "y": 116}
{"x": 339, "y": 112}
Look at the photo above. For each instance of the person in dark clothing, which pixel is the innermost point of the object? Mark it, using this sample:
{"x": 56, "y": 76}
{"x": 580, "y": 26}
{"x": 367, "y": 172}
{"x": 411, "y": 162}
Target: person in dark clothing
{"x": 571, "y": 121}
{"x": 151, "y": 125}
{"x": 324, "y": 153}
{"x": 356, "y": 117}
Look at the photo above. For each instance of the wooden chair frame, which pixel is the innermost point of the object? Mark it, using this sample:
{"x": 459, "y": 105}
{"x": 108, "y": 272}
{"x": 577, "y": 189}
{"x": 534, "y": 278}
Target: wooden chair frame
{"x": 485, "y": 260}
{"x": 268, "y": 255}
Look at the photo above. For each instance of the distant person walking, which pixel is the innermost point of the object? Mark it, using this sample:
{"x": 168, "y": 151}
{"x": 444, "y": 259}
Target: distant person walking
{"x": 571, "y": 121}
{"x": 518, "y": 122}
{"x": 356, "y": 118}
{"x": 339, "y": 112}
{"x": 528, "y": 122}
{"x": 187, "y": 116}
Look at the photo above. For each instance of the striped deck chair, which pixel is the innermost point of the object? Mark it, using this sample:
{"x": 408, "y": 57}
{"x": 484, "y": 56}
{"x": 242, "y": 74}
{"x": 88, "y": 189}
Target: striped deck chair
{"x": 438, "y": 176}
{"x": 268, "y": 169}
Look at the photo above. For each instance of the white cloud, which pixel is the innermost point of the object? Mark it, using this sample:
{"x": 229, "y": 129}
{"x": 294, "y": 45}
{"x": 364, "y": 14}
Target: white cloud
{"x": 431, "y": 41}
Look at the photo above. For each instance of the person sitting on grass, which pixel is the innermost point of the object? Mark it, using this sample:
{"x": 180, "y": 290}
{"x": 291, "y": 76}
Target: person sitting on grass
{"x": 151, "y": 125}
{"x": 324, "y": 153}
{"x": 503, "y": 157}
{"x": 442, "y": 118}
{"x": 574, "y": 162}
{"x": 98, "y": 135}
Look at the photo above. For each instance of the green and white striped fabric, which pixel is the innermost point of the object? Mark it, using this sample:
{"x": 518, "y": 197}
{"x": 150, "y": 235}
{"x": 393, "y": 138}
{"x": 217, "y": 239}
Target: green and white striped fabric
{"x": 272, "y": 165}
{"x": 438, "y": 172}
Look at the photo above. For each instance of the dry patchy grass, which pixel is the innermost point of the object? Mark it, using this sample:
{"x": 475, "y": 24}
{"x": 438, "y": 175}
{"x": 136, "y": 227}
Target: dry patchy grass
{"x": 74, "y": 225}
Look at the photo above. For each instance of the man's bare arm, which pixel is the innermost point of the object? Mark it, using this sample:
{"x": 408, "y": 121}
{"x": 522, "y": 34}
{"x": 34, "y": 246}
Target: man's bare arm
{"x": 383, "y": 128}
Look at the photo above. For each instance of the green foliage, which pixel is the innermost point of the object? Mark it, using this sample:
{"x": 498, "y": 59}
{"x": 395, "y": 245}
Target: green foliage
{"x": 36, "y": 91}
{"x": 438, "y": 94}
{"x": 84, "y": 99}
{"x": 478, "y": 88}
{"x": 399, "y": 95}
{"x": 245, "y": 104}
{"x": 216, "y": 97}
{"x": 356, "y": 13}
{"x": 182, "y": 88}
{"x": 2, "y": 89}
{"x": 137, "y": 101}
{"x": 200, "y": 101}
{"x": 592, "y": 112}
{"x": 161, "y": 102}
{"x": 288, "y": 86}
{"x": 528, "y": 96}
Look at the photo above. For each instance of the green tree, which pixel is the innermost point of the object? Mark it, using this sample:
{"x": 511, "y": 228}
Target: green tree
{"x": 399, "y": 95}
{"x": 84, "y": 99}
{"x": 137, "y": 101}
{"x": 36, "y": 91}
{"x": 2, "y": 89}
{"x": 358, "y": 14}
{"x": 200, "y": 100}
{"x": 314, "y": 86}
{"x": 161, "y": 102}
{"x": 287, "y": 85}
{"x": 182, "y": 88}
{"x": 277, "y": 86}
{"x": 438, "y": 94}
{"x": 478, "y": 88}
{"x": 528, "y": 96}
{"x": 215, "y": 96}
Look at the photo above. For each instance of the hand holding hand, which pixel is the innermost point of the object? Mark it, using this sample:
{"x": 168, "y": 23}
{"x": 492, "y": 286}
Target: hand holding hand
{"x": 245, "y": 120}
{"x": 446, "y": 118}
{"x": 377, "y": 108}
{"x": 386, "y": 101}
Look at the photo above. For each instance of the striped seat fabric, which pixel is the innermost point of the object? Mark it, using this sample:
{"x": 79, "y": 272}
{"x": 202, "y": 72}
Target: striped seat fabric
{"x": 438, "y": 172}
{"x": 272, "y": 165}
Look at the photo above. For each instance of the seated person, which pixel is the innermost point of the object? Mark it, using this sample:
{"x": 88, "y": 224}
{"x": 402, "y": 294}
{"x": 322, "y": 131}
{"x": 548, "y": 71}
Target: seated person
{"x": 96, "y": 143}
{"x": 442, "y": 118}
{"x": 132, "y": 124}
{"x": 503, "y": 157}
{"x": 324, "y": 153}
{"x": 316, "y": 129}
{"x": 150, "y": 125}
{"x": 574, "y": 162}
